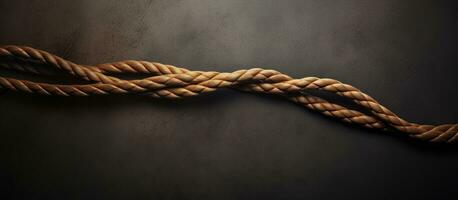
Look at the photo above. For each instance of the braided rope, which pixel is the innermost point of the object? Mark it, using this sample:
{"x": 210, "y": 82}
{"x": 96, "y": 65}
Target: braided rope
{"x": 172, "y": 82}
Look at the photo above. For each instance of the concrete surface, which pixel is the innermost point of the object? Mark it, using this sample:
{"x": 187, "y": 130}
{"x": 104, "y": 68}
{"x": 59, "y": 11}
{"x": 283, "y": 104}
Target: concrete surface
{"x": 231, "y": 145}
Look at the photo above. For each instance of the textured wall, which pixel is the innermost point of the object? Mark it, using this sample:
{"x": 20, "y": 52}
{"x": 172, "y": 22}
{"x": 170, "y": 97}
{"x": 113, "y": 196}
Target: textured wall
{"x": 231, "y": 145}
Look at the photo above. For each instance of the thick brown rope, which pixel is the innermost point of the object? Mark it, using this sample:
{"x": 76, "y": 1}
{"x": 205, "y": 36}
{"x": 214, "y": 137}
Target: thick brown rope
{"x": 168, "y": 81}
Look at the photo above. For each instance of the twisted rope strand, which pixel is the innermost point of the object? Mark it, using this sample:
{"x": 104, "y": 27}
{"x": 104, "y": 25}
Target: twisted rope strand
{"x": 174, "y": 82}
{"x": 148, "y": 68}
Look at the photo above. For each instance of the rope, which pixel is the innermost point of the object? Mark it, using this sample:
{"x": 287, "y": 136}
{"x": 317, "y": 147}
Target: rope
{"x": 166, "y": 81}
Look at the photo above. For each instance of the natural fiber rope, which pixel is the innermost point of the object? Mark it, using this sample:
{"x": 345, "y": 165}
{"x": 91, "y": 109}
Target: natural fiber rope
{"x": 167, "y": 81}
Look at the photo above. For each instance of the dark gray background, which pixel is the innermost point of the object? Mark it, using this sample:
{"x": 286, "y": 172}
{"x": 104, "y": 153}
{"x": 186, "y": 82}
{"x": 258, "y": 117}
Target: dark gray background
{"x": 231, "y": 145}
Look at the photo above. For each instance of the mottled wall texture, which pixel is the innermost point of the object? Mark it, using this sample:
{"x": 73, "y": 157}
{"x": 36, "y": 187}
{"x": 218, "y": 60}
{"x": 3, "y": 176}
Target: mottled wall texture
{"x": 232, "y": 145}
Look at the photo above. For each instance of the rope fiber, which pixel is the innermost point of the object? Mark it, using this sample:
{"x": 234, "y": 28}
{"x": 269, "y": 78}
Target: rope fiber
{"x": 166, "y": 81}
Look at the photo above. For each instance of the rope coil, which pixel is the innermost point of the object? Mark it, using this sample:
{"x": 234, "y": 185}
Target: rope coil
{"x": 166, "y": 81}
